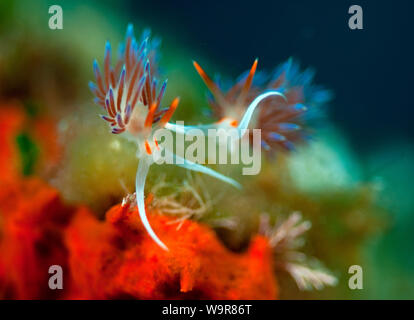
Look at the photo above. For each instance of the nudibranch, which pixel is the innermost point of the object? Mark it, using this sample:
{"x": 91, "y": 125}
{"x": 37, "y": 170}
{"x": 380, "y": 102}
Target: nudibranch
{"x": 284, "y": 118}
{"x": 239, "y": 110}
{"x": 131, "y": 98}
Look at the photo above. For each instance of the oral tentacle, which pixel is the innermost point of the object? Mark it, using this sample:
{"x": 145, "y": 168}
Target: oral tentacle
{"x": 142, "y": 172}
{"x": 247, "y": 117}
{"x": 187, "y": 164}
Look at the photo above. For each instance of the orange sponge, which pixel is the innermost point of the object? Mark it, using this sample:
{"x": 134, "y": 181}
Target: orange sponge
{"x": 117, "y": 259}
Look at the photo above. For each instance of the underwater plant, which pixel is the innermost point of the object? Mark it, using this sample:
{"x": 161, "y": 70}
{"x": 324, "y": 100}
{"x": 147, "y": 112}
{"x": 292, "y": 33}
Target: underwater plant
{"x": 133, "y": 109}
{"x": 285, "y": 240}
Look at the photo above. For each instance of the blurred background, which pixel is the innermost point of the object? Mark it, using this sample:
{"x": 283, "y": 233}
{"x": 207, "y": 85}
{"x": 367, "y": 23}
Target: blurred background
{"x": 354, "y": 182}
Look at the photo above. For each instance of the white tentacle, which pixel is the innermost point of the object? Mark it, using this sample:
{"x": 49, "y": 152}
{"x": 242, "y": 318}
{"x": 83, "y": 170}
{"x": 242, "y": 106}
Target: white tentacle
{"x": 143, "y": 168}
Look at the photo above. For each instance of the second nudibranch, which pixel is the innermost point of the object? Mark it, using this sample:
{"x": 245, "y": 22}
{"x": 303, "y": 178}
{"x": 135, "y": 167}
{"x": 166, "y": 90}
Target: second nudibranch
{"x": 131, "y": 100}
{"x": 284, "y": 119}
{"x": 238, "y": 116}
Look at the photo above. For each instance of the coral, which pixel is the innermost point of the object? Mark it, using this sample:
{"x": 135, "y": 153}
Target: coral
{"x": 285, "y": 239}
{"x": 32, "y": 222}
{"x": 32, "y": 216}
{"x": 116, "y": 259}
{"x": 187, "y": 200}
{"x": 28, "y": 144}
{"x": 11, "y": 122}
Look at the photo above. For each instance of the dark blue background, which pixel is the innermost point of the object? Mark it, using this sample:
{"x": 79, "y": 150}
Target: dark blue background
{"x": 369, "y": 70}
